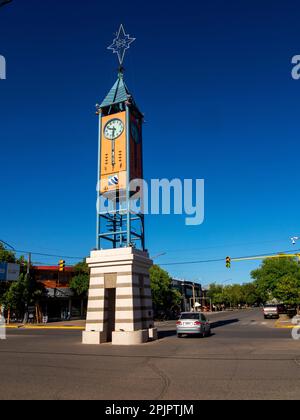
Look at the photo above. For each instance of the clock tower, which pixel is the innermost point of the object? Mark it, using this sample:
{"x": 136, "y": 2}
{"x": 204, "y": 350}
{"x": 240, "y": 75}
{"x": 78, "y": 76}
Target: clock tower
{"x": 120, "y": 162}
{"x": 120, "y": 301}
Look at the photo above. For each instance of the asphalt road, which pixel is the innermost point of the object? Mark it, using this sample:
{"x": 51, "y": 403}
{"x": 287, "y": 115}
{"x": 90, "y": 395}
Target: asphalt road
{"x": 245, "y": 358}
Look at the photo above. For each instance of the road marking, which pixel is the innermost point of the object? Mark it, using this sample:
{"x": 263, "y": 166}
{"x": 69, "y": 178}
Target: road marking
{"x": 27, "y": 327}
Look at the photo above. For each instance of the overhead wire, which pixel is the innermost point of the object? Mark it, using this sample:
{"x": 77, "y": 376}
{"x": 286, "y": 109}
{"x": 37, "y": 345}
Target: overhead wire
{"x": 186, "y": 262}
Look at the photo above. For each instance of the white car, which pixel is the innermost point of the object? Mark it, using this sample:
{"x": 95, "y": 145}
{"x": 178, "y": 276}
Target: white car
{"x": 271, "y": 311}
{"x": 193, "y": 323}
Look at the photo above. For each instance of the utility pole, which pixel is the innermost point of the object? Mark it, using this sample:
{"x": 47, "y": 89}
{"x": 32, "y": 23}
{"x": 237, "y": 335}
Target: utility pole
{"x": 28, "y": 264}
{"x": 194, "y": 296}
{"x": 28, "y": 280}
{"x": 183, "y": 285}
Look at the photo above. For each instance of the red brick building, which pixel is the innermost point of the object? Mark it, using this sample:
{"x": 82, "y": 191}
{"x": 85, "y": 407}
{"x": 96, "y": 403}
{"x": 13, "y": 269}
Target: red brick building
{"x": 59, "y": 302}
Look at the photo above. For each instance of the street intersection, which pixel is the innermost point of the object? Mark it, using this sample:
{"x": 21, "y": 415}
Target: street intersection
{"x": 245, "y": 358}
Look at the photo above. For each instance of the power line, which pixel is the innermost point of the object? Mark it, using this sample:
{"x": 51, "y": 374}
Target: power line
{"x": 192, "y": 262}
{"x": 161, "y": 253}
{"x": 223, "y": 259}
{"x": 165, "y": 264}
{"x": 49, "y": 255}
{"x": 7, "y": 245}
{"x": 222, "y": 246}
{"x": 41, "y": 254}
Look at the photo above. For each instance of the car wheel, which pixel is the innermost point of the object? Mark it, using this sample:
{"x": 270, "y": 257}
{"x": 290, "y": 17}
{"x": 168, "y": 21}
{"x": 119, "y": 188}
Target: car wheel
{"x": 179, "y": 335}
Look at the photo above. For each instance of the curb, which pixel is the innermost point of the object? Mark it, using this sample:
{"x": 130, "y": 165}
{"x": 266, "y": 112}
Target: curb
{"x": 287, "y": 327}
{"x": 37, "y": 327}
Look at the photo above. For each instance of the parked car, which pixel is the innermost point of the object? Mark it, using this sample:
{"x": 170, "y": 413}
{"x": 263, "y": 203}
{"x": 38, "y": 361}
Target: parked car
{"x": 291, "y": 312}
{"x": 271, "y": 311}
{"x": 282, "y": 309}
{"x": 193, "y": 323}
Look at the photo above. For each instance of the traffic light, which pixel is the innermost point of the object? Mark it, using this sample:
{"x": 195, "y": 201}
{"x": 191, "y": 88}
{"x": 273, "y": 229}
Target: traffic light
{"x": 228, "y": 262}
{"x": 61, "y": 266}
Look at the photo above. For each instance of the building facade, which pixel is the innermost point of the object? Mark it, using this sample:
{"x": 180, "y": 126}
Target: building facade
{"x": 193, "y": 295}
{"x": 58, "y": 302}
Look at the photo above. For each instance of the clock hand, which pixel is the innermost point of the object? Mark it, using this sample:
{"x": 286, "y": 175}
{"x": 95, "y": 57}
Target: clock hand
{"x": 113, "y": 161}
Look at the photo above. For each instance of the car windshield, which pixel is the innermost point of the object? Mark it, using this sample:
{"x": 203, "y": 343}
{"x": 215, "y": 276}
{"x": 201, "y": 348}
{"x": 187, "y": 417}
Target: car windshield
{"x": 189, "y": 316}
{"x": 270, "y": 306}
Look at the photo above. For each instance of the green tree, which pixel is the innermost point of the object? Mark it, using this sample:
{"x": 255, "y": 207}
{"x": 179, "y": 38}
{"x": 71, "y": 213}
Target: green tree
{"x": 6, "y": 256}
{"x": 251, "y": 294}
{"x": 10, "y": 257}
{"x": 288, "y": 290}
{"x": 80, "y": 282}
{"x": 23, "y": 292}
{"x": 215, "y": 293}
{"x": 234, "y": 295}
{"x": 165, "y": 298}
{"x": 14, "y": 297}
{"x": 268, "y": 277}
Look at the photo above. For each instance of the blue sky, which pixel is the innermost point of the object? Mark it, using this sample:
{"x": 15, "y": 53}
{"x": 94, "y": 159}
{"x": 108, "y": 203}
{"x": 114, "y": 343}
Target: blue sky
{"x": 221, "y": 67}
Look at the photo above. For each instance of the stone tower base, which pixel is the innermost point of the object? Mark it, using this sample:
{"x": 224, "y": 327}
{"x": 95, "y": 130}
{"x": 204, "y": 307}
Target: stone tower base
{"x": 120, "y": 303}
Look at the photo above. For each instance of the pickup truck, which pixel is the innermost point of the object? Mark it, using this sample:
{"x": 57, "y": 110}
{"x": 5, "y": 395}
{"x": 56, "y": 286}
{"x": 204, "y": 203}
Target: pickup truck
{"x": 271, "y": 311}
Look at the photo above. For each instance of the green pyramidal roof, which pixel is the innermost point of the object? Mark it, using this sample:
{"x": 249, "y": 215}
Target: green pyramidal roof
{"x": 118, "y": 93}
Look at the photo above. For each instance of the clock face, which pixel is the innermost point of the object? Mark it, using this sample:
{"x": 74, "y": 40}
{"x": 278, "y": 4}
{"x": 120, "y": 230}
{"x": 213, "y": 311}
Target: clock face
{"x": 135, "y": 133}
{"x": 113, "y": 129}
